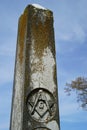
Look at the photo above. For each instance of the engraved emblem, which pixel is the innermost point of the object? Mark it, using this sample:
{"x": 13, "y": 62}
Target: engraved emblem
{"x": 41, "y": 105}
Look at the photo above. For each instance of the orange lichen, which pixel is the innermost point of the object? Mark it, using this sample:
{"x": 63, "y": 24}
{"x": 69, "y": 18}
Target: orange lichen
{"x": 22, "y": 34}
{"x": 41, "y": 34}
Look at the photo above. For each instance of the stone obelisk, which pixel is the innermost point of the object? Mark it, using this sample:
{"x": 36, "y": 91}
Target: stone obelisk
{"x": 35, "y": 97}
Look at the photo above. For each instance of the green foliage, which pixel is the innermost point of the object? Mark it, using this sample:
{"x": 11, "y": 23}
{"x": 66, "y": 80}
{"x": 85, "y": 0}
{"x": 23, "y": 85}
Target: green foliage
{"x": 79, "y": 85}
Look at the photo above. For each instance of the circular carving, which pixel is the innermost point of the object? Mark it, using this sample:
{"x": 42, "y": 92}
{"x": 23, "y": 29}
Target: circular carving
{"x": 41, "y": 105}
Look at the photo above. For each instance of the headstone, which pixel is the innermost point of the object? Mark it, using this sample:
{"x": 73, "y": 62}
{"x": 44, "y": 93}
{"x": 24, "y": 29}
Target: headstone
{"x": 35, "y": 97}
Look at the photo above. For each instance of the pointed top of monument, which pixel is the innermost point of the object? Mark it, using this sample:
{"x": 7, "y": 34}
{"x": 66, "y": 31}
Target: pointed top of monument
{"x": 39, "y": 6}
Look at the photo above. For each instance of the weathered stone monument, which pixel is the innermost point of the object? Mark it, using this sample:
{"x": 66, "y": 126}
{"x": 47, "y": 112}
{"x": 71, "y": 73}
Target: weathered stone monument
{"x": 35, "y": 101}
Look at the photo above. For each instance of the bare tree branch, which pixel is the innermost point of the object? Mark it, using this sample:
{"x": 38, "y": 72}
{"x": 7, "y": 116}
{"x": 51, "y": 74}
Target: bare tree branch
{"x": 80, "y": 86}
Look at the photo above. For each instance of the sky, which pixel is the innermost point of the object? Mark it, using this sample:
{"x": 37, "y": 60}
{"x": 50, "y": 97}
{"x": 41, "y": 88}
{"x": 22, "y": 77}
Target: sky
{"x": 70, "y": 26}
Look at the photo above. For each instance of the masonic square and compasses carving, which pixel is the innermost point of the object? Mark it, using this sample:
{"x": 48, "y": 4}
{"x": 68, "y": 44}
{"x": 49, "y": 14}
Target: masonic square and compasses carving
{"x": 41, "y": 105}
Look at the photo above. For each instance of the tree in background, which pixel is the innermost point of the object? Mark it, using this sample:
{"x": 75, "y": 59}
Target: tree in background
{"x": 79, "y": 85}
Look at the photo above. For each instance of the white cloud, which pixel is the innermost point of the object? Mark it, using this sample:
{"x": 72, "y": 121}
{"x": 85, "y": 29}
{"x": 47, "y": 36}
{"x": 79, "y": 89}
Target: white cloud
{"x": 74, "y": 34}
{"x": 70, "y": 25}
{"x": 67, "y": 42}
{"x": 79, "y": 34}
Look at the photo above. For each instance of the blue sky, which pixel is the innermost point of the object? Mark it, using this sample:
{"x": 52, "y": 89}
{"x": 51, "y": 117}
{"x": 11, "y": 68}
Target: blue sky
{"x": 70, "y": 24}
